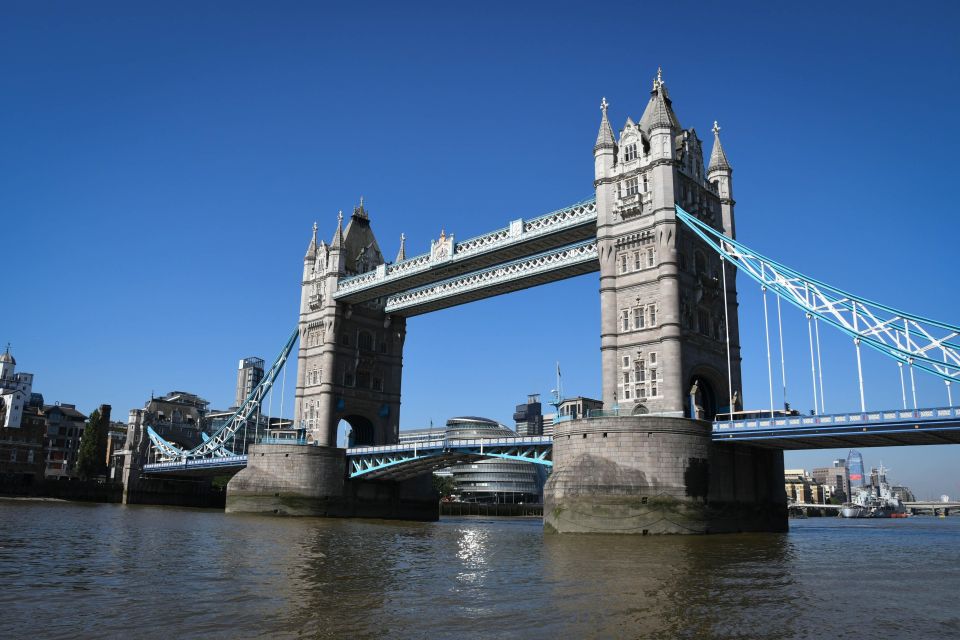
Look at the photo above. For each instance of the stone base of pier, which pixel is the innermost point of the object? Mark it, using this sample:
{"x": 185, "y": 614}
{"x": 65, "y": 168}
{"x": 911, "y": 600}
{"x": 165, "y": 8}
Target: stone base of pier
{"x": 657, "y": 475}
{"x": 298, "y": 480}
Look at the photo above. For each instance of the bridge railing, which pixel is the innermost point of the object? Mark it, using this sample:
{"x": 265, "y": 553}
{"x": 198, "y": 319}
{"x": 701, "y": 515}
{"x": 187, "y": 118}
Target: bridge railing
{"x": 188, "y": 463}
{"x": 575, "y": 214}
{"x": 267, "y": 440}
{"x": 453, "y": 443}
{"x": 868, "y": 417}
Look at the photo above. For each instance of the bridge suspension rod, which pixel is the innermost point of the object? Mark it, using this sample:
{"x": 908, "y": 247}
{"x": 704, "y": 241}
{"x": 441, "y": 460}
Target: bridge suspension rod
{"x": 215, "y": 445}
{"x": 904, "y": 337}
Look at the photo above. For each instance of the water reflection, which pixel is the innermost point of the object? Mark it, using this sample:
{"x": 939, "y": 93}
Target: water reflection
{"x": 110, "y": 571}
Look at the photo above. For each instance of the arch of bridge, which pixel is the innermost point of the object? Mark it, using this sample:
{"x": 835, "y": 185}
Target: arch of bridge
{"x": 709, "y": 390}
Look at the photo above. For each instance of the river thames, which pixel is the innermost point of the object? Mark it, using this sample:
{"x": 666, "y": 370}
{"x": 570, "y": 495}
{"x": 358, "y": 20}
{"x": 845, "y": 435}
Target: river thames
{"x": 71, "y": 570}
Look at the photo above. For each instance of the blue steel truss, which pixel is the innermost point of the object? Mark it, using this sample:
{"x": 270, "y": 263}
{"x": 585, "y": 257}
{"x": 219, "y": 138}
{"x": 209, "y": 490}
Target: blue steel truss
{"x": 215, "y": 445}
{"x": 382, "y": 461}
{"x": 906, "y": 338}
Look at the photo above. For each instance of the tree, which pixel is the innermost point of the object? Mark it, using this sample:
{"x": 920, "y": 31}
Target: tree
{"x": 444, "y": 485}
{"x": 90, "y": 457}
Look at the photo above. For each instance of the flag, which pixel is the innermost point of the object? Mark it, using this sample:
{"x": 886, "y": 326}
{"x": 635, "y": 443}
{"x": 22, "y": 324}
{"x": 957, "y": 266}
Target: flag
{"x": 558, "y": 368}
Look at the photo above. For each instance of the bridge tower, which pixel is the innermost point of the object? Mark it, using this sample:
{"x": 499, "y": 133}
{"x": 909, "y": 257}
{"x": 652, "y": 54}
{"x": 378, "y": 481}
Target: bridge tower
{"x": 663, "y": 327}
{"x": 348, "y": 368}
{"x": 648, "y": 465}
{"x": 350, "y": 356}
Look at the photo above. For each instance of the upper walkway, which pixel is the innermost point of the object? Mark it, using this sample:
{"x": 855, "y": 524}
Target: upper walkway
{"x": 521, "y": 239}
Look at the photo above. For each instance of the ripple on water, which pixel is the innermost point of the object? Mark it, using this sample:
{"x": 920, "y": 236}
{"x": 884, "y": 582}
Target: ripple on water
{"x": 103, "y": 570}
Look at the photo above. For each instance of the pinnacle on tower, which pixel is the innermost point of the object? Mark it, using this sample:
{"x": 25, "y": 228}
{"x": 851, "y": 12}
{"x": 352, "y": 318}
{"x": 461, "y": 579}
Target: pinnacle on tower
{"x": 659, "y": 111}
{"x": 312, "y": 247}
{"x": 338, "y": 236}
{"x": 402, "y": 254}
{"x": 360, "y": 212}
{"x": 718, "y": 159}
{"x": 605, "y": 136}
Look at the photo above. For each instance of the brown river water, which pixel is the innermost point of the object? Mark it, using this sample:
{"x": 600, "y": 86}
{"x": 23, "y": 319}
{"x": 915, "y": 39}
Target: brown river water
{"x": 70, "y": 570}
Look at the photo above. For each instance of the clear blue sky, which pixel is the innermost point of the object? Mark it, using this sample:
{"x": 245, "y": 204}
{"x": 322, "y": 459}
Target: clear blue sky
{"x": 161, "y": 166}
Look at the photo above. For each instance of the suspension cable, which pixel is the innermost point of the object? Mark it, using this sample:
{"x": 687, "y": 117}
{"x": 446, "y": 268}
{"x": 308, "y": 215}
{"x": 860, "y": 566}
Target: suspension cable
{"x": 913, "y": 385}
{"x": 783, "y": 366}
{"x": 913, "y": 382}
{"x": 813, "y": 368}
{"x": 903, "y": 388}
{"x": 816, "y": 332}
{"x": 856, "y": 344}
{"x": 283, "y": 393}
{"x": 726, "y": 325}
{"x": 766, "y": 326}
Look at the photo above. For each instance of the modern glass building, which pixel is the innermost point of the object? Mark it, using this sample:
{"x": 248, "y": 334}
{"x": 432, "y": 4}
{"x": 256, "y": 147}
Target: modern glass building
{"x": 492, "y": 480}
{"x": 855, "y": 469}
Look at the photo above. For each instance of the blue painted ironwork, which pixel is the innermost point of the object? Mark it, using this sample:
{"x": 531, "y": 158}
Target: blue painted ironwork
{"x": 196, "y": 464}
{"x": 939, "y": 425}
{"x": 380, "y": 461}
{"x": 214, "y": 445}
{"x": 904, "y": 337}
{"x": 578, "y": 214}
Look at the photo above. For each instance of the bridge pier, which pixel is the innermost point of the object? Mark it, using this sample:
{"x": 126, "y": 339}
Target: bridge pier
{"x": 657, "y": 475}
{"x": 305, "y": 480}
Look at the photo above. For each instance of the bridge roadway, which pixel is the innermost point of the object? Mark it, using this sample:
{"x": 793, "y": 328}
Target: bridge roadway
{"x": 892, "y": 428}
{"x": 523, "y": 239}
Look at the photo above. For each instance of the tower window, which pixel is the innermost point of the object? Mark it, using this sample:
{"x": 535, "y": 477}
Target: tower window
{"x": 653, "y": 315}
{"x": 630, "y": 152}
{"x": 638, "y": 319}
{"x": 625, "y": 320}
{"x": 623, "y": 263}
{"x": 637, "y": 263}
{"x": 632, "y": 187}
{"x": 365, "y": 341}
{"x": 646, "y": 187}
{"x": 651, "y": 256}
{"x": 626, "y": 361}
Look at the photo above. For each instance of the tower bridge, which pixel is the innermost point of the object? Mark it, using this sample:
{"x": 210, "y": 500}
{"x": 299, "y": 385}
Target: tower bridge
{"x": 661, "y": 232}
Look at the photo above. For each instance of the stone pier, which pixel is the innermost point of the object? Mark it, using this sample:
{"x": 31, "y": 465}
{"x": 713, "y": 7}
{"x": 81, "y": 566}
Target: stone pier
{"x": 304, "y": 480}
{"x": 656, "y": 475}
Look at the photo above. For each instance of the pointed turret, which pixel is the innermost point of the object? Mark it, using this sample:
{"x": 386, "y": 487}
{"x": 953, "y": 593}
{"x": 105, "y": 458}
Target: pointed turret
{"x": 605, "y": 136}
{"x": 312, "y": 247}
{"x": 718, "y": 159}
{"x": 402, "y": 254}
{"x": 659, "y": 112}
{"x": 720, "y": 175}
{"x": 337, "y": 243}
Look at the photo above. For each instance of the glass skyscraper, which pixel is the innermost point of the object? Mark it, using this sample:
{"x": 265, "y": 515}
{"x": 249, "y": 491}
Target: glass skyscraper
{"x": 855, "y": 469}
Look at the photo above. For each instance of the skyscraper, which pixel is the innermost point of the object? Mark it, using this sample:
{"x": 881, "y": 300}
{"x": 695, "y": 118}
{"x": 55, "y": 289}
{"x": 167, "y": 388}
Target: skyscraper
{"x": 855, "y": 469}
{"x": 249, "y": 375}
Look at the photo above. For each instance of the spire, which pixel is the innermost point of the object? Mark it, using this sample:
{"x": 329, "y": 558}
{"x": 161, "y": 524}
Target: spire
{"x": 605, "y": 136}
{"x": 6, "y": 357}
{"x": 659, "y": 111}
{"x": 718, "y": 159}
{"x": 360, "y": 212}
{"x": 312, "y": 247}
{"x": 402, "y": 254}
{"x": 338, "y": 236}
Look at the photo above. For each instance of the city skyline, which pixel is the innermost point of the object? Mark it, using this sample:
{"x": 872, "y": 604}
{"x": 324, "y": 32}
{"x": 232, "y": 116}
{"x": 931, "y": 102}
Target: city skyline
{"x": 173, "y": 188}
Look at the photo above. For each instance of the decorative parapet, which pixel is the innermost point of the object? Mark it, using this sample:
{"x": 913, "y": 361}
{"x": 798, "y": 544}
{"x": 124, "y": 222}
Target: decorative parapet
{"x": 494, "y": 276}
{"x": 444, "y": 250}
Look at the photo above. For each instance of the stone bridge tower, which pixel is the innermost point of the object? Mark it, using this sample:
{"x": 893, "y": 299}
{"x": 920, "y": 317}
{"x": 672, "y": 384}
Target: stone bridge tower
{"x": 663, "y": 332}
{"x": 350, "y": 356}
{"x": 652, "y": 466}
